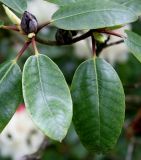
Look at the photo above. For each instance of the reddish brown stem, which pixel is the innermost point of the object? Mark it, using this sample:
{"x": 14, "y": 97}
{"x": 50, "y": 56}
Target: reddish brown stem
{"x": 43, "y": 25}
{"x": 34, "y": 46}
{"x": 23, "y": 50}
{"x": 111, "y": 33}
{"x": 13, "y": 28}
{"x": 54, "y": 43}
{"x": 93, "y": 45}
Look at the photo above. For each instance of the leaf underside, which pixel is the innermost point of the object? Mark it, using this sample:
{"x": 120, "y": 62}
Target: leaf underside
{"x": 133, "y": 42}
{"x": 62, "y": 2}
{"x": 47, "y": 96}
{"x": 17, "y": 5}
{"x": 10, "y": 91}
{"x": 134, "y": 5}
{"x": 92, "y": 15}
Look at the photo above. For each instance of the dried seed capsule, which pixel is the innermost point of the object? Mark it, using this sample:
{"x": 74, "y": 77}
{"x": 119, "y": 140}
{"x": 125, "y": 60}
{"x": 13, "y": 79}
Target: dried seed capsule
{"x": 64, "y": 36}
{"x": 29, "y": 23}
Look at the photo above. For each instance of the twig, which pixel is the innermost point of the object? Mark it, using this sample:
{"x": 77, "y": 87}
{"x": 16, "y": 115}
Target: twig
{"x": 13, "y": 28}
{"x": 114, "y": 43}
{"x": 43, "y": 25}
{"x": 23, "y": 50}
{"x": 110, "y": 33}
{"x": 102, "y": 46}
{"x": 35, "y": 46}
{"x": 54, "y": 43}
{"x": 93, "y": 46}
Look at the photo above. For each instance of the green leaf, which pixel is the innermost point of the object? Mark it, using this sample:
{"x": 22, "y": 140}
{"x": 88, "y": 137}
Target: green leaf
{"x": 92, "y": 15}
{"x": 1, "y": 23}
{"x": 99, "y": 105}
{"x": 62, "y": 2}
{"x": 133, "y": 42}
{"x": 17, "y": 5}
{"x": 47, "y": 96}
{"x": 10, "y": 91}
{"x": 134, "y": 5}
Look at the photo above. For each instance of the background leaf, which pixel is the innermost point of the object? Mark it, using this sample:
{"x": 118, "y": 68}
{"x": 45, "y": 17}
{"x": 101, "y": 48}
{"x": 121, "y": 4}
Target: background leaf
{"x": 48, "y": 101}
{"x": 92, "y": 15}
{"x": 1, "y": 23}
{"x": 10, "y": 91}
{"x": 99, "y": 105}
{"x": 17, "y": 5}
{"x": 134, "y": 5}
{"x": 133, "y": 42}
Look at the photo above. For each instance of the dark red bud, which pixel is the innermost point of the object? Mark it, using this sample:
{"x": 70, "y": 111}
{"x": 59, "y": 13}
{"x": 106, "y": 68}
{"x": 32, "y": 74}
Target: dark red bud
{"x": 29, "y": 23}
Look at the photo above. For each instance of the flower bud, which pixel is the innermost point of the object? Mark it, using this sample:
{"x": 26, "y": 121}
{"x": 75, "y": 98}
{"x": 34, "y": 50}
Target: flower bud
{"x": 99, "y": 37}
{"x": 64, "y": 36}
{"x": 29, "y": 23}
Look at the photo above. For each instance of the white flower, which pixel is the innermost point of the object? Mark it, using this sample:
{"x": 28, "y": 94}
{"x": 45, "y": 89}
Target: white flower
{"x": 20, "y": 137}
{"x": 41, "y": 9}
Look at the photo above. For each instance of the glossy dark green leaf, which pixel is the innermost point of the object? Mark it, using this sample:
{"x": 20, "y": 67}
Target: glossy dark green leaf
{"x": 92, "y": 15}
{"x": 133, "y": 42}
{"x": 47, "y": 96}
{"x": 99, "y": 105}
{"x": 17, "y": 5}
{"x": 10, "y": 91}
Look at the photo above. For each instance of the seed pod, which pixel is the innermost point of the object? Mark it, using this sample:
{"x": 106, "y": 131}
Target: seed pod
{"x": 29, "y": 23}
{"x": 64, "y": 36}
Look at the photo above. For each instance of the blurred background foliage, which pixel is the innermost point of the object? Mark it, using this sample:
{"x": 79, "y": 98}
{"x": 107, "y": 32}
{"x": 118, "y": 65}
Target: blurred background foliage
{"x": 130, "y": 73}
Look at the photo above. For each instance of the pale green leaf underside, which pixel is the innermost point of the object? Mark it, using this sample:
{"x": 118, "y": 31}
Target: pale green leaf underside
{"x": 92, "y": 15}
{"x": 134, "y": 5}
{"x": 99, "y": 105}
{"x": 133, "y": 42}
{"x": 10, "y": 91}
{"x": 17, "y": 5}
{"x": 47, "y": 96}
{"x": 62, "y": 2}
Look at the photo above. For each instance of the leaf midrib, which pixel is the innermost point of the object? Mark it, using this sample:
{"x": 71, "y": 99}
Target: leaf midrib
{"x": 78, "y": 14}
{"x": 97, "y": 92}
{"x": 43, "y": 93}
{"x": 6, "y": 73}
